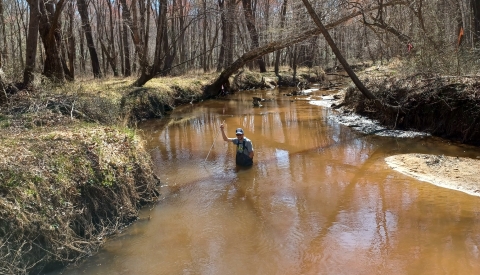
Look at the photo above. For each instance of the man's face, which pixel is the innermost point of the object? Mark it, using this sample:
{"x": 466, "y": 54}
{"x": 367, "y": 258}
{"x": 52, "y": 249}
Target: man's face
{"x": 239, "y": 136}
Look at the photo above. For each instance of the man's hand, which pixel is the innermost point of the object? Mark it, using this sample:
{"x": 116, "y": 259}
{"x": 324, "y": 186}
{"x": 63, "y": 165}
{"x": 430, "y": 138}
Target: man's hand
{"x": 223, "y": 132}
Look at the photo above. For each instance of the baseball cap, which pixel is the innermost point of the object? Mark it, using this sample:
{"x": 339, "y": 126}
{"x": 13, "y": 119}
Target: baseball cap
{"x": 239, "y": 131}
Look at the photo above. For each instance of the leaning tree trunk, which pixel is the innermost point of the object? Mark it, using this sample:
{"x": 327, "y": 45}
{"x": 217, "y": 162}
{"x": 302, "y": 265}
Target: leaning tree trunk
{"x": 83, "y": 11}
{"x": 213, "y": 89}
{"x": 336, "y": 51}
{"x": 32, "y": 42}
{"x": 344, "y": 62}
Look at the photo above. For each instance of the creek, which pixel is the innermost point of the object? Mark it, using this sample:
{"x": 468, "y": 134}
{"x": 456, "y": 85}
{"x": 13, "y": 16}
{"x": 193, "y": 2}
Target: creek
{"x": 319, "y": 199}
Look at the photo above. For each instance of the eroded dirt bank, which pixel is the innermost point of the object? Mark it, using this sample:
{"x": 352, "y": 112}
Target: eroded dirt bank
{"x": 447, "y": 107}
{"x": 64, "y": 190}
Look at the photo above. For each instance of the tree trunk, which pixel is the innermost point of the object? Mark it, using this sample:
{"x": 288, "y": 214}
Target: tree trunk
{"x": 170, "y": 50}
{"x": 32, "y": 41}
{"x": 346, "y": 66}
{"x": 112, "y": 54}
{"x": 132, "y": 25}
{"x": 475, "y": 5}
{"x": 126, "y": 44}
{"x": 18, "y": 37}
{"x": 71, "y": 40}
{"x": 265, "y": 35}
{"x": 336, "y": 51}
{"x": 49, "y": 31}
{"x": 82, "y": 50}
{"x": 141, "y": 23}
{"x": 181, "y": 36}
{"x": 204, "y": 37}
{"x": 212, "y": 45}
{"x": 159, "y": 47}
{"x": 231, "y": 4}
{"x": 83, "y": 11}
{"x": 213, "y": 89}
{"x": 223, "y": 19}
{"x": 282, "y": 24}
{"x": 459, "y": 23}
{"x": 3, "y": 36}
{"x": 250, "y": 21}
{"x": 120, "y": 41}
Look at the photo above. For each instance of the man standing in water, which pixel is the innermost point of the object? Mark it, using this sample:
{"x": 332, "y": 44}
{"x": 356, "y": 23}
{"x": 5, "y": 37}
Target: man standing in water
{"x": 245, "y": 154}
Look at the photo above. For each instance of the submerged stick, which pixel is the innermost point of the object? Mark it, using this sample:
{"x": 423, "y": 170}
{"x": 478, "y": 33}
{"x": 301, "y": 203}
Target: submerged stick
{"x": 213, "y": 143}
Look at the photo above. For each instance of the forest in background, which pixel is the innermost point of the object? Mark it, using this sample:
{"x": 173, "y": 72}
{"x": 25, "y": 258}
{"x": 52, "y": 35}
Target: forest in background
{"x": 64, "y": 40}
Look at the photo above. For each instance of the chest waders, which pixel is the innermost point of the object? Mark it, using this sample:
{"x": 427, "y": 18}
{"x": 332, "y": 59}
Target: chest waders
{"x": 241, "y": 158}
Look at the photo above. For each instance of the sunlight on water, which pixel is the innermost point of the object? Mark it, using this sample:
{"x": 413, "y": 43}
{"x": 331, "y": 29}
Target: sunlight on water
{"x": 319, "y": 199}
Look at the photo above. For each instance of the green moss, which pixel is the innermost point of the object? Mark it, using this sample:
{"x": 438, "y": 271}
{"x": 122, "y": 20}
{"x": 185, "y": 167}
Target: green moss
{"x": 5, "y": 123}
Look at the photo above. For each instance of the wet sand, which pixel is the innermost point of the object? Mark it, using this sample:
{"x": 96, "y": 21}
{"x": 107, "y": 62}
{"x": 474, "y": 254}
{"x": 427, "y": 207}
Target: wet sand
{"x": 455, "y": 173}
{"x": 461, "y": 174}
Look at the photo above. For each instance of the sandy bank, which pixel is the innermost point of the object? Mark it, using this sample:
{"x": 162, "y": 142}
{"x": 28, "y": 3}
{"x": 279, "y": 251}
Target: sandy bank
{"x": 455, "y": 173}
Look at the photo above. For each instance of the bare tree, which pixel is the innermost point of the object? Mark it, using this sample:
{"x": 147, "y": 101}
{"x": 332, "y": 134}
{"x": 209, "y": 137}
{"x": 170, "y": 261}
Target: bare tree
{"x": 129, "y": 18}
{"x": 250, "y": 20}
{"x": 169, "y": 47}
{"x": 32, "y": 40}
{"x": 125, "y": 41}
{"x": 3, "y": 36}
{"x": 379, "y": 21}
{"x": 214, "y": 88}
{"x": 71, "y": 48}
{"x": 204, "y": 36}
{"x": 49, "y": 28}
{"x": 87, "y": 29}
{"x": 283, "y": 13}
{"x": 148, "y": 71}
{"x": 337, "y": 52}
{"x": 222, "y": 53}
{"x": 108, "y": 47}
{"x": 475, "y": 6}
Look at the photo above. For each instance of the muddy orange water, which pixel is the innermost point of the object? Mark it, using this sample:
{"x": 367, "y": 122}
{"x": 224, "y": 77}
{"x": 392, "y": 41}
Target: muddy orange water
{"x": 319, "y": 199}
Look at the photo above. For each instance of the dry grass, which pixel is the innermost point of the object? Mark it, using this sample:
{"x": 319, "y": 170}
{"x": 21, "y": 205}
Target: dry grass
{"x": 65, "y": 188}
